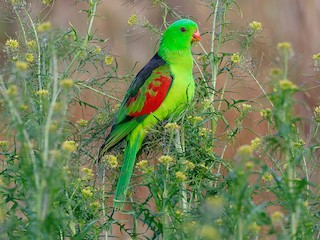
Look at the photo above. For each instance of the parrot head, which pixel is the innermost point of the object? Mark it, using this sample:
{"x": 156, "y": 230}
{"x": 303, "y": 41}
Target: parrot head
{"x": 180, "y": 35}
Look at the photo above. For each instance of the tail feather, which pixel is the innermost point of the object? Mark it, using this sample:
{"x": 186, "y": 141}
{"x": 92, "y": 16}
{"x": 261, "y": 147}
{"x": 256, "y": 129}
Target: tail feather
{"x": 130, "y": 153}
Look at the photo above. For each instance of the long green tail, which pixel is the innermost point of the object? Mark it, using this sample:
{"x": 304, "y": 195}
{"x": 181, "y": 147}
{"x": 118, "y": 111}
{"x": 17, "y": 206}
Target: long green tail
{"x": 130, "y": 153}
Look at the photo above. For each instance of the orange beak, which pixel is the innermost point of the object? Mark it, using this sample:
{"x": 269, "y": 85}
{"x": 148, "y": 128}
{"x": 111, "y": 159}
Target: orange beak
{"x": 196, "y": 36}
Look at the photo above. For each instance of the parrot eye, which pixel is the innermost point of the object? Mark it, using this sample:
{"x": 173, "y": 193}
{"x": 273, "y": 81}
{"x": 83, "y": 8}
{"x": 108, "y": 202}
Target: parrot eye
{"x": 183, "y": 29}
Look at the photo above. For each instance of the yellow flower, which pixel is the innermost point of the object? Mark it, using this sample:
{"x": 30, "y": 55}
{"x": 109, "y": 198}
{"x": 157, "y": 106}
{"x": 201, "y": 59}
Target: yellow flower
{"x": 31, "y": 44}
{"x": 287, "y": 85}
{"x": 202, "y": 165}
{"x": 95, "y": 205}
{"x": 254, "y": 228}
{"x": 142, "y": 164}
{"x": 267, "y": 177}
{"x": 133, "y": 19}
{"x": 209, "y": 233}
{"x": 235, "y": 58}
{"x": 316, "y": 57}
{"x": 195, "y": 119}
{"x": 82, "y": 122}
{"x": 29, "y": 58}
{"x": 256, "y": 143}
{"x": 87, "y": 173}
{"x": 316, "y": 114}
{"x": 166, "y": 160}
{"x": 69, "y": 146}
{"x": 111, "y": 160}
{"x": 12, "y": 91}
{"x": 12, "y": 44}
{"x": 249, "y": 165}
{"x": 86, "y": 192}
{"x": 255, "y": 26}
{"x": 23, "y": 107}
{"x": 276, "y": 72}
{"x": 108, "y": 60}
{"x": 47, "y": 2}
{"x": 245, "y": 151}
{"x": 277, "y": 217}
{"x": 172, "y": 126}
{"x": 215, "y": 203}
{"x": 97, "y": 50}
{"x": 45, "y": 26}
{"x": 265, "y": 113}
{"x": 204, "y": 132}
{"x": 284, "y": 46}
{"x": 53, "y": 126}
{"x": 189, "y": 165}
{"x": 42, "y": 92}
{"x": 22, "y": 66}
{"x": 4, "y": 145}
{"x": 58, "y": 106}
{"x": 66, "y": 83}
{"x": 181, "y": 176}
{"x": 246, "y": 108}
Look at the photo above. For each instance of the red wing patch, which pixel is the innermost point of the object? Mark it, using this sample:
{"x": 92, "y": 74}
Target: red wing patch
{"x": 154, "y": 95}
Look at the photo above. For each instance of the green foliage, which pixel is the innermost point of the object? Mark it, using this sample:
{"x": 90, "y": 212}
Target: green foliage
{"x": 51, "y": 186}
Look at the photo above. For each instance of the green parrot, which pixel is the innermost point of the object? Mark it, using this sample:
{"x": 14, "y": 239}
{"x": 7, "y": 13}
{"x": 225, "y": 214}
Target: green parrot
{"x": 162, "y": 88}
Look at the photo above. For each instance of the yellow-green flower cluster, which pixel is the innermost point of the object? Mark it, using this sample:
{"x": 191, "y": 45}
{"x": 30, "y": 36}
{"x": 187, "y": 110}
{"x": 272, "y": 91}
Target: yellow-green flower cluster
{"x": 267, "y": 177}
{"x": 32, "y": 44}
{"x": 47, "y": 2}
{"x": 42, "y": 92}
{"x": 245, "y": 151}
{"x": 256, "y": 143}
{"x": 166, "y": 160}
{"x": 276, "y": 72}
{"x": 180, "y": 176}
{"x": 203, "y": 132}
{"x": 286, "y": 84}
{"x": 133, "y": 19}
{"x": 254, "y": 228}
{"x": 195, "y": 119}
{"x": 246, "y": 108}
{"x": 69, "y": 146}
{"x": 235, "y": 58}
{"x": 277, "y": 217}
{"x": 284, "y": 48}
{"x": 82, "y": 122}
{"x": 209, "y": 233}
{"x": 111, "y": 160}
{"x": 189, "y": 165}
{"x": 316, "y": 57}
{"x": 108, "y": 60}
{"x": 265, "y": 113}
{"x": 97, "y": 50}
{"x": 4, "y": 145}
{"x": 29, "y": 58}
{"x": 12, "y": 91}
{"x": 22, "y": 66}
{"x": 316, "y": 114}
{"x": 66, "y": 83}
{"x": 86, "y": 192}
{"x": 12, "y": 44}
{"x": 87, "y": 173}
{"x": 142, "y": 164}
{"x": 172, "y": 126}
{"x": 255, "y": 26}
{"x": 45, "y": 26}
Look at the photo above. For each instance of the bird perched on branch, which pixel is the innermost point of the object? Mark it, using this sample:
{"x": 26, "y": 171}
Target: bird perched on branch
{"x": 161, "y": 89}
